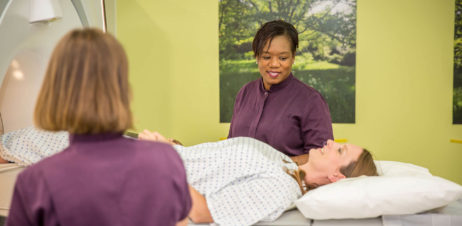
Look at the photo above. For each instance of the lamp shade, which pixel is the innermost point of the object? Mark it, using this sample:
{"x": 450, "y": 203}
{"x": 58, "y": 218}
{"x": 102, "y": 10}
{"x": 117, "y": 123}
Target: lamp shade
{"x": 44, "y": 10}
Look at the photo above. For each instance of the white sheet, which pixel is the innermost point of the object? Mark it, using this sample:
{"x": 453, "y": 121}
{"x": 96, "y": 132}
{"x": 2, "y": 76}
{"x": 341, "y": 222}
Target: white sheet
{"x": 450, "y": 215}
{"x": 8, "y": 174}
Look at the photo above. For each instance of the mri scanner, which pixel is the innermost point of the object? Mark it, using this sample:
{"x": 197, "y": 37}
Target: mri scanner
{"x": 29, "y": 30}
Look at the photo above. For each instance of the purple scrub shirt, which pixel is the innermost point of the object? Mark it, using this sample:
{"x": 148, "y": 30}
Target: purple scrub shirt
{"x": 103, "y": 179}
{"x": 292, "y": 116}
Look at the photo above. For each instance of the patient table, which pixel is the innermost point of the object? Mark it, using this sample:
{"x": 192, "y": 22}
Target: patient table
{"x": 450, "y": 215}
{"x": 8, "y": 174}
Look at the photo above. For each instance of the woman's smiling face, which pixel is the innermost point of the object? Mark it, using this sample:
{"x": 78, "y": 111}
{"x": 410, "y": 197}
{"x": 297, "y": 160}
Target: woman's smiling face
{"x": 275, "y": 61}
{"x": 333, "y": 156}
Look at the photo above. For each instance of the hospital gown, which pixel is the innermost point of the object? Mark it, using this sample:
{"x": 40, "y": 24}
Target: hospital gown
{"x": 242, "y": 179}
{"x": 30, "y": 145}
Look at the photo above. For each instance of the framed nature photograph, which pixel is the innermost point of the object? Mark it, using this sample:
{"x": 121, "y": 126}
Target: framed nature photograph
{"x": 325, "y": 59}
{"x": 457, "y": 92}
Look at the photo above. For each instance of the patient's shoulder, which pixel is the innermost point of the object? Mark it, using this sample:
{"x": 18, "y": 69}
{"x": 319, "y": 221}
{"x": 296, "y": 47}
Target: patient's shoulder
{"x": 161, "y": 153}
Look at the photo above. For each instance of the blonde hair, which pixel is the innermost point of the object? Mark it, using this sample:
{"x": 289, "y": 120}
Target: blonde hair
{"x": 299, "y": 176}
{"x": 363, "y": 166}
{"x": 85, "y": 90}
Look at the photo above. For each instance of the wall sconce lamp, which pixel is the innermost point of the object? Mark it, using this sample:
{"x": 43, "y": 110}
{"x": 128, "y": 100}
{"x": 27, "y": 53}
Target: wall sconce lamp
{"x": 44, "y": 11}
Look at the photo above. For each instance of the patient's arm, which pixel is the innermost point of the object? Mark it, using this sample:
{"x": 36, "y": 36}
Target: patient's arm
{"x": 300, "y": 159}
{"x": 3, "y": 160}
{"x": 183, "y": 222}
{"x": 154, "y": 136}
{"x": 199, "y": 213}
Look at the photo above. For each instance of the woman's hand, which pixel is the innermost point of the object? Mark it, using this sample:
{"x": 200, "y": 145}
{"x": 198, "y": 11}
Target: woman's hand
{"x": 3, "y": 160}
{"x": 200, "y": 212}
{"x": 153, "y": 136}
{"x": 300, "y": 159}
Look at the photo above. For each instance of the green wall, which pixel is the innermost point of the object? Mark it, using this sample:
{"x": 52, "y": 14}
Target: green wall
{"x": 404, "y": 77}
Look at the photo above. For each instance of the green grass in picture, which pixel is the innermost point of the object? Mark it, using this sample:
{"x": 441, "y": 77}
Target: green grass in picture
{"x": 335, "y": 83}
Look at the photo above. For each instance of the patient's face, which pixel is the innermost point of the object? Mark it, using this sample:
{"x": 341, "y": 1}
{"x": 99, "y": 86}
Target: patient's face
{"x": 333, "y": 156}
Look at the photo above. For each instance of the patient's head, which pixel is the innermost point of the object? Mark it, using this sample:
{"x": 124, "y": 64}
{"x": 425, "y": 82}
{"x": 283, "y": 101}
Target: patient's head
{"x": 85, "y": 90}
{"x": 336, "y": 161}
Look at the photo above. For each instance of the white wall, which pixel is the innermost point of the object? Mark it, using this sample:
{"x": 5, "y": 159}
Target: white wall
{"x": 24, "y": 51}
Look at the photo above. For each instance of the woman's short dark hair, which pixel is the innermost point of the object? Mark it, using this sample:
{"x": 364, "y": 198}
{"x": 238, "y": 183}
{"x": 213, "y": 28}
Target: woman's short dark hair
{"x": 85, "y": 89}
{"x": 271, "y": 29}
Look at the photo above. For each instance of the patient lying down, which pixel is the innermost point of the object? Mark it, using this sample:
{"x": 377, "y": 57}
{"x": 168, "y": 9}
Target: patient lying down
{"x": 238, "y": 181}
{"x": 241, "y": 181}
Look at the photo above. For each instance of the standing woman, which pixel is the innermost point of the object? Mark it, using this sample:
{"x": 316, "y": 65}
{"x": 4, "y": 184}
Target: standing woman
{"x": 279, "y": 109}
{"x": 102, "y": 178}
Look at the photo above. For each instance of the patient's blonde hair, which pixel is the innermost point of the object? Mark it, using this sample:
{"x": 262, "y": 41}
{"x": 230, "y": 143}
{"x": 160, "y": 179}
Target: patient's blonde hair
{"x": 85, "y": 90}
{"x": 363, "y": 166}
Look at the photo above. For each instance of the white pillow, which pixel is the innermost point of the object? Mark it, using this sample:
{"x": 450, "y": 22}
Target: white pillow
{"x": 393, "y": 168}
{"x": 365, "y": 197}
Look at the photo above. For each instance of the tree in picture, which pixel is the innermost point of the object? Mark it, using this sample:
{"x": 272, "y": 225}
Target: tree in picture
{"x": 325, "y": 59}
{"x": 457, "y": 92}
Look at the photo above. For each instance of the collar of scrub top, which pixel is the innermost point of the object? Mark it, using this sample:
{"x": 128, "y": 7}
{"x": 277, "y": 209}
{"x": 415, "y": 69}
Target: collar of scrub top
{"x": 276, "y": 87}
{"x": 93, "y": 137}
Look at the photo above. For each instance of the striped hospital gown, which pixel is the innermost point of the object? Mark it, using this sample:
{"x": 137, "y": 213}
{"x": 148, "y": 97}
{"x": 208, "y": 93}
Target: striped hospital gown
{"x": 242, "y": 179}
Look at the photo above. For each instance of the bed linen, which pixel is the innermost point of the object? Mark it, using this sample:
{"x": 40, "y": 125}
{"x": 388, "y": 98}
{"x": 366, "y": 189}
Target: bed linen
{"x": 8, "y": 174}
{"x": 450, "y": 215}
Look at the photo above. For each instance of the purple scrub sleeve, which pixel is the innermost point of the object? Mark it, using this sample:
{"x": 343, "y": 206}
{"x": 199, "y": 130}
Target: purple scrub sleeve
{"x": 292, "y": 116}
{"x": 104, "y": 179}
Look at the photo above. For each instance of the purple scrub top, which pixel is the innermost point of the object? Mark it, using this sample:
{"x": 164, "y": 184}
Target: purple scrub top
{"x": 104, "y": 179}
{"x": 292, "y": 116}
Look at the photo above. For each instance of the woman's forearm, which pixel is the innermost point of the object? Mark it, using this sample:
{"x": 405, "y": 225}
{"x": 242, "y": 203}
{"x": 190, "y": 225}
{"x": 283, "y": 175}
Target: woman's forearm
{"x": 199, "y": 213}
{"x": 300, "y": 159}
{"x": 183, "y": 222}
{"x": 3, "y": 160}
